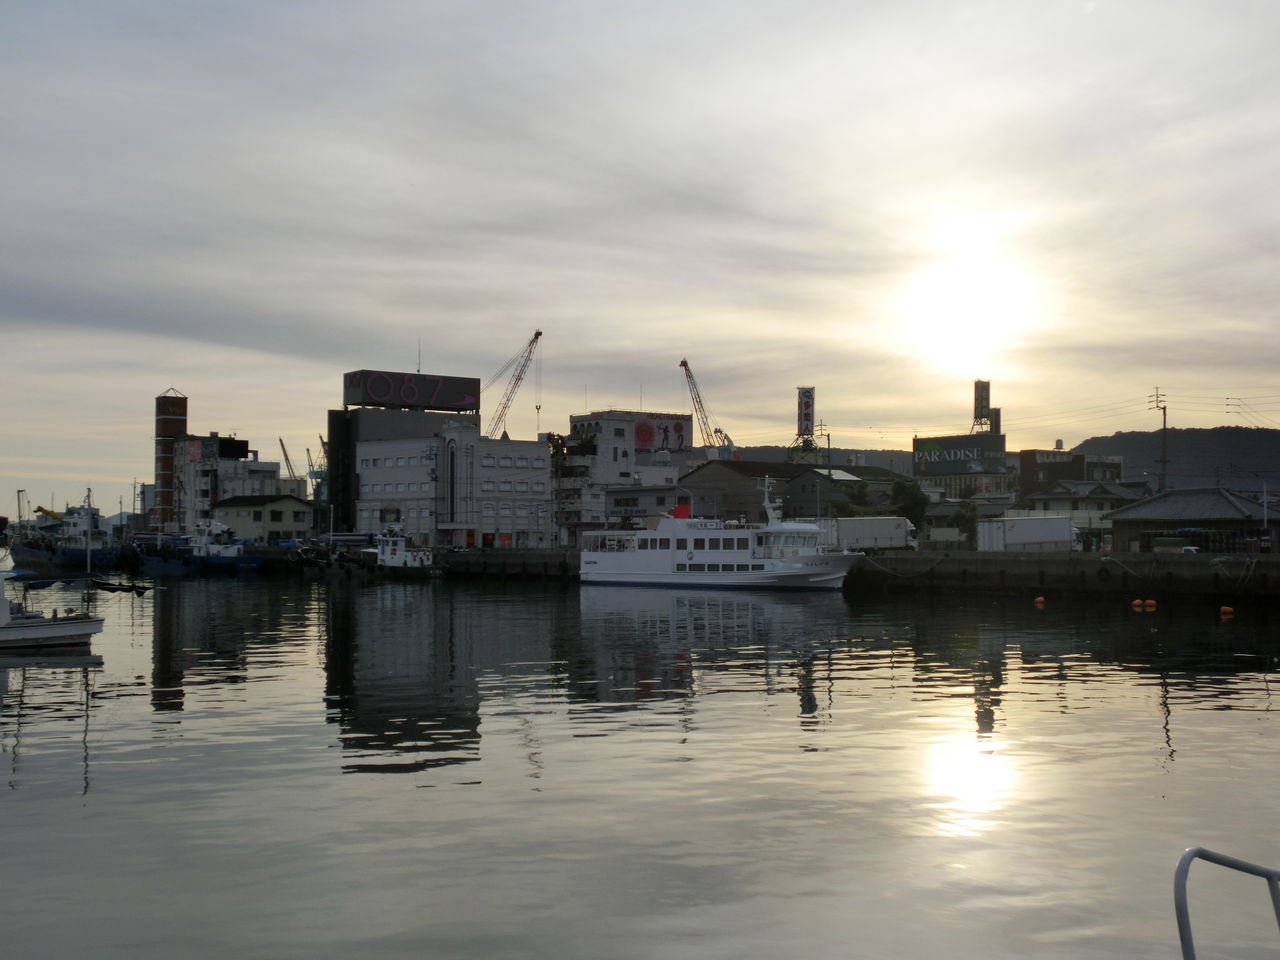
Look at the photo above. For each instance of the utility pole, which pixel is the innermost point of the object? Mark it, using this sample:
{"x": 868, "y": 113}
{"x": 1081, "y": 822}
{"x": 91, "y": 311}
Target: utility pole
{"x": 1158, "y": 402}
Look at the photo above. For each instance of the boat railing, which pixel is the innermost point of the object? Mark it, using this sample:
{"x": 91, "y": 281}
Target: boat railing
{"x": 1221, "y": 859}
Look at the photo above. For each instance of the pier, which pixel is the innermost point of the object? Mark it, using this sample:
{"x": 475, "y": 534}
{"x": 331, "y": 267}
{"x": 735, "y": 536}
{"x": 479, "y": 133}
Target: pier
{"x": 1137, "y": 575}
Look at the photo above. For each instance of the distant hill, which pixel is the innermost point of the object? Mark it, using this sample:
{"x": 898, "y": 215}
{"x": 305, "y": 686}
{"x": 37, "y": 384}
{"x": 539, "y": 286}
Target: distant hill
{"x": 1236, "y": 457}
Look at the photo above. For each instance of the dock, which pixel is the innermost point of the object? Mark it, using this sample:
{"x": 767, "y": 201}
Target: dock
{"x": 1135, "y": 575}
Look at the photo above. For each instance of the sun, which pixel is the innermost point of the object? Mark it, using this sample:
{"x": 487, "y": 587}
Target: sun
{"x": 970, "y": 303}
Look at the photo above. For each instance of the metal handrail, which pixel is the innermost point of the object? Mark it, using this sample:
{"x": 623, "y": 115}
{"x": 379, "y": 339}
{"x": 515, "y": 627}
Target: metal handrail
{"x": 1221, "y": 859}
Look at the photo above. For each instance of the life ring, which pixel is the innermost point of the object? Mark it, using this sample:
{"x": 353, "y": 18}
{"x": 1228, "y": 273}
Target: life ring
{"x": 689, "y": 555}
{"x": 1103, "y": 574}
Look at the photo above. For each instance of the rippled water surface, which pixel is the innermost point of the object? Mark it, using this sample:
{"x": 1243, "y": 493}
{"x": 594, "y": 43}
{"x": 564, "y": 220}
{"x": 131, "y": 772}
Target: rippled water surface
{"x": 266, "y": 769}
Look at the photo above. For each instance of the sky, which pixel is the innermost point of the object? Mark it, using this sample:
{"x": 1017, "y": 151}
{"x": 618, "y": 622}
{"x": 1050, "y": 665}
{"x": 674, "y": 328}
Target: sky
{"x": 883, "y": 200}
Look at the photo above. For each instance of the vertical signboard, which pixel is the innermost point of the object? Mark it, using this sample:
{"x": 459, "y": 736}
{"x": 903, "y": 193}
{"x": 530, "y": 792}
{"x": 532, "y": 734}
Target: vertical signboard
{"x": 981, "y": 399}
{"x": 804, "y": 411}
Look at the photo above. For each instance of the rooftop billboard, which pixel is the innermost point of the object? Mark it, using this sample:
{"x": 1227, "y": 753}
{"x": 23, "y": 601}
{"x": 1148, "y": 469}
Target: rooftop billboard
{"x": 949, "y": 456}
{"x": 410, "y": 391}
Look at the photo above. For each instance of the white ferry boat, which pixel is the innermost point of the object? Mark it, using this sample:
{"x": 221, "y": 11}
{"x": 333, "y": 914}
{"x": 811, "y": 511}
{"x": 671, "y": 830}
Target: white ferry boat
{"x": 679, "y": 551}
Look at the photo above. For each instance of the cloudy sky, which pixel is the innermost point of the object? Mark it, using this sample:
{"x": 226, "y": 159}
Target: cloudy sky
{"x": 883, "y": 200}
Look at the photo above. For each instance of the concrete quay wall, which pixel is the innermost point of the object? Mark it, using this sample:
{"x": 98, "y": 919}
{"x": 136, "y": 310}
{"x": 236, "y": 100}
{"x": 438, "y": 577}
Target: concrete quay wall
{"x": 557, "y": 564}
{"x": 1133, "y": 575}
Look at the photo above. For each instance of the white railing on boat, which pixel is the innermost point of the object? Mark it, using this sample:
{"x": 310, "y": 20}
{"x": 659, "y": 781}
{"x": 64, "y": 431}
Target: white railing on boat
{"x": 1221, "y": 859}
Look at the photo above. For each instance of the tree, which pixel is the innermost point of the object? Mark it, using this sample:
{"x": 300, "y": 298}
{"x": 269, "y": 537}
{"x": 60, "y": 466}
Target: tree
{"x": 909, "y": 501}
{"x": 965, "y": 519}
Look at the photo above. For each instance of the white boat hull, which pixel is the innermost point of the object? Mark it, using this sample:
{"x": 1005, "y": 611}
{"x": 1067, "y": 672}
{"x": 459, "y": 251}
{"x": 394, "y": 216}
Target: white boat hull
{"x": 809, "y": 576}
{"x": 39, "y": 631}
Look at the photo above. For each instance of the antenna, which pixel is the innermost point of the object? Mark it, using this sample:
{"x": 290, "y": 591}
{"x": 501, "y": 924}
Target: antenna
{"x": 419, "y": 355}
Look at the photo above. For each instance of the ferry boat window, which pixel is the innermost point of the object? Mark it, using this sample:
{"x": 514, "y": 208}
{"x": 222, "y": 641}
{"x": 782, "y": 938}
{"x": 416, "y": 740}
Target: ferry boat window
{"x": 699, "y": 543}
{"x": 744, "y": 543}
{"x": 744, "y": 566}
{"x": 757, "y": 566}
{"x": 713, "y": 568}
{"x": 664, "y": 543}
{"x": 680, "y": 568}
{"x": 713, "y": 543}
{"x": 697, "y": 567}
{"x": 682, "y": 543}
{"x": 643, "y": 544}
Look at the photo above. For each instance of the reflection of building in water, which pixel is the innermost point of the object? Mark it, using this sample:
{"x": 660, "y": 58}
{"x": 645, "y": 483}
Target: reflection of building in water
{"x": 40, "y": 695}
{"x": 206, "y": 627}
{"x": 404, "y": 663}
{"x": 397, "y": 682}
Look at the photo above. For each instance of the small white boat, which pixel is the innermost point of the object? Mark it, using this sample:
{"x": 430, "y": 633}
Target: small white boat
{"x": 22, "y": 628}
{"x": 679, "y": 551}
{"x": 396, "y": 552}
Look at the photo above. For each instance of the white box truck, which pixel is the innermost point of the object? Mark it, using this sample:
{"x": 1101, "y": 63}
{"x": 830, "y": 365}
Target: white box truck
{"x": 1028, "y": 534}
{"x": 875, "y": 533}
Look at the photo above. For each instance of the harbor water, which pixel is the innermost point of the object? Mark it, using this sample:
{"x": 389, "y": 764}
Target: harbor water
{"x": 265, "y": 769}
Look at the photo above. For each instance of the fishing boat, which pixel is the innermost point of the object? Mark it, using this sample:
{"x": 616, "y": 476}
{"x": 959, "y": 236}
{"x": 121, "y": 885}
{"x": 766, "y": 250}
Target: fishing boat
{"x": 676, "y": 550}
{"x": 397, "y": 555}
{"x": 211, "y": 549}
{"x": 71, "y": 540}
{"x": 22, "y": 627}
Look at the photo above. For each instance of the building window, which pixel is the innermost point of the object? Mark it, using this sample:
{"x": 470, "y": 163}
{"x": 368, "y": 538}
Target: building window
{"x": 522, "y": 461}
{"x": 413, "y": 461}
{"x": 377, "y": 462}
{"x": 399, "y": 488}
{"x": 539, "y": 485}
{"x": 539, "y": 463}
{"x": 487, "y": 461}
{"x": 522, "y": 486}
{"x": 257, "y": 515}
{"x": 364, "y": 488}
{"x": 487, "y": 486}
{"x": 277, "y": 516}
{"x": 660, "y": 501}
{"x": 399, "y": 461}
{"x": 504, "y": 461}
{"x": 504, "y": 484}
{"x": 299, "y": 516}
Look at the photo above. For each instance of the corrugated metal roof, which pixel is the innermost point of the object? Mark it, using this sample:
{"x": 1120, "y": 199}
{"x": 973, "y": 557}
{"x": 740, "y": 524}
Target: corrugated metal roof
{"x": 1212, "y": 503}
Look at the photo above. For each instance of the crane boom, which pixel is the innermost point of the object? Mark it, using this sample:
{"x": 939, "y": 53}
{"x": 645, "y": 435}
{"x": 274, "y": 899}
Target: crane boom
{"x": 521, "y": 363}
{"x": 712, "y": 435}
{"x": 287, "y": 462}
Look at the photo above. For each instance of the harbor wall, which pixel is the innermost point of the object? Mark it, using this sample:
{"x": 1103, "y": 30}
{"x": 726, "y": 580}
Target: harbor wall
{"x": 557, "y": 564}
{"x": 1133, "y": 575}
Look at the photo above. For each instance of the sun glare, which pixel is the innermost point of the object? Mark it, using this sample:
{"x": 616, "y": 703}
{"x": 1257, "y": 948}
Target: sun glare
{"x": 971, "y": 303}
{"x": 968, "y": 781}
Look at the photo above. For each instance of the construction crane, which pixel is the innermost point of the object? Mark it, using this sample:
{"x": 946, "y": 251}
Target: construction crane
{"x": 287, "y": 462}
{"x": 712, "y": 435}
{"x": 521, "y": 363}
